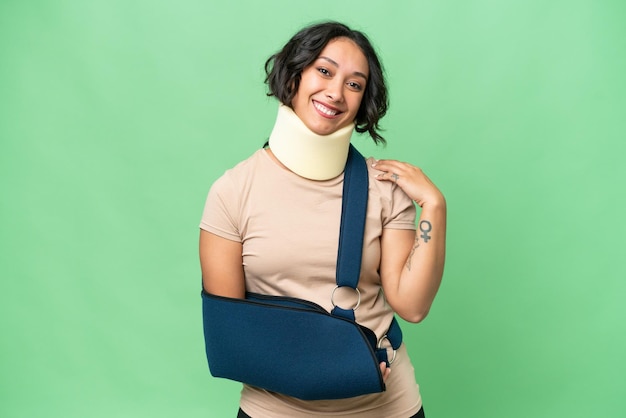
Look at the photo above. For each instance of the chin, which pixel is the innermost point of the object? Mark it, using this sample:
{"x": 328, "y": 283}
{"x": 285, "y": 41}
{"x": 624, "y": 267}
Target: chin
{"x": 323, "y": 131}
{"x": 327, "y": 129}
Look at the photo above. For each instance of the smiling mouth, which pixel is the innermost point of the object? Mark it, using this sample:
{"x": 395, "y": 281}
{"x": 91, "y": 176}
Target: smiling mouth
{"x": 326, "y": 111}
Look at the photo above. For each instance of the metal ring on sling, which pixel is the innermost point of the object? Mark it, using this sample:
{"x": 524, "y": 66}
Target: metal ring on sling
{"x": 380, "y": 345}
{"x": 358, "y": 302}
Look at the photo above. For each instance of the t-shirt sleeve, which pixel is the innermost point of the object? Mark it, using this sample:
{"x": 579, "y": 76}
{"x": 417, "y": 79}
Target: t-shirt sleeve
{"x": 221, "y": 210}
{"x": 402, "y": 211}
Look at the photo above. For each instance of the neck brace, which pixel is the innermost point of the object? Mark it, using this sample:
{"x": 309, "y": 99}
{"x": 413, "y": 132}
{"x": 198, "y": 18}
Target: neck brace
{"x": 309, "y": 155}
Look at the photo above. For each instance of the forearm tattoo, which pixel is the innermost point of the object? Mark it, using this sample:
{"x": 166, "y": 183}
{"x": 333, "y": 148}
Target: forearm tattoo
{"x": 425, "y": 227}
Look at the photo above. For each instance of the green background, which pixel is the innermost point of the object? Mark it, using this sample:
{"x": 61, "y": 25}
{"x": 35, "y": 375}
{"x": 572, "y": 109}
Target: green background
{"x": 117, "y": 115}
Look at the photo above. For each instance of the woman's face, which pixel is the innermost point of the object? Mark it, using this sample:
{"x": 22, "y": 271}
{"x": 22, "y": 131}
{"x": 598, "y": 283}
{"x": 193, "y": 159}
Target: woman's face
{"x": 331, "y": 88}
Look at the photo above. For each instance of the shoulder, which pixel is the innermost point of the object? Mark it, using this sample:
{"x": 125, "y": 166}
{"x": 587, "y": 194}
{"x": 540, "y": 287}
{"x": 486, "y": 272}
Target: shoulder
{"x": 396, "y": 207}
{"x": 385, "y": 189}
{"x": 226, "y": 196}
{"x": 242, "y": 172}
{"x": 244, "y": 167}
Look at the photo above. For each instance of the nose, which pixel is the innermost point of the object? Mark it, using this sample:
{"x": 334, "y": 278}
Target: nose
{"x": 334, "y": 90}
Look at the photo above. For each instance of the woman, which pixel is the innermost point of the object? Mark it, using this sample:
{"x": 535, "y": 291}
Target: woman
{"x": 271, "y": 223}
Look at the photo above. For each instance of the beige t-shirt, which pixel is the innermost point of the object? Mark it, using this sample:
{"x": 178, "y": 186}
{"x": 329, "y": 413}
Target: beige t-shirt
{"x": 289, "y": 228}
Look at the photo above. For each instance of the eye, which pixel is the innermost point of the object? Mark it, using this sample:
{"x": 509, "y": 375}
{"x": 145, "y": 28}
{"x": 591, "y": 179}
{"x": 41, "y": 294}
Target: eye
{"x": 355, "y": 86}
{"x": 323, "y": 71}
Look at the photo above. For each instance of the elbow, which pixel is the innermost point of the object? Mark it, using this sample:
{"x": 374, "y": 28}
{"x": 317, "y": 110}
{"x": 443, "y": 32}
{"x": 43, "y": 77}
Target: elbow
{"x": 414, "y": 317}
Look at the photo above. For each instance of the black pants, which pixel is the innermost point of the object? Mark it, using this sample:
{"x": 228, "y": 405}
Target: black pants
{"x": 420, "y": 414}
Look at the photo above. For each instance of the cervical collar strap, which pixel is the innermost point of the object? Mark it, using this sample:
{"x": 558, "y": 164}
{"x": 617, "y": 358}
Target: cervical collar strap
{"x": 309, "y": 155}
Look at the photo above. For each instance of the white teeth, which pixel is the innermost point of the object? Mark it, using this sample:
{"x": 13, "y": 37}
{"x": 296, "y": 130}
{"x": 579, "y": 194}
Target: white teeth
{"x": 324, "y": 109}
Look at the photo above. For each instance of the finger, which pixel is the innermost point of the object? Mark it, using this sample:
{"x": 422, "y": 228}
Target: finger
{"x": 389, "y": 165}
{"x": 384, "y": 370}
{"x": 388, "y": 175}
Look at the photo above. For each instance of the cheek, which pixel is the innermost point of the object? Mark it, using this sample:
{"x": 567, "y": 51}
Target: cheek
{"x": 358, "y": 103}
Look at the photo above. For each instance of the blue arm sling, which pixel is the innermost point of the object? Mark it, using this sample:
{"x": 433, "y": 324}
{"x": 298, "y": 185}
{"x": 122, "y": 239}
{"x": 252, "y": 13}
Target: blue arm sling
{"x": 294, "y": 346}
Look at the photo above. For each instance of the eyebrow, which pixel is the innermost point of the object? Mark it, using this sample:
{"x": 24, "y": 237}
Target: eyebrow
{"x": 333, "y": 62}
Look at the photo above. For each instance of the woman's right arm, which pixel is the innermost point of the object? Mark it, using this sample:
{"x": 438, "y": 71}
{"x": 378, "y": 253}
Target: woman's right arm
{"x": 221, "y": 261}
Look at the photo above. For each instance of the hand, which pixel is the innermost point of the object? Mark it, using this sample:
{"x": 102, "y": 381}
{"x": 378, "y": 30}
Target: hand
{"x": 386, "y": 371}
{"x": 411, "y": 180}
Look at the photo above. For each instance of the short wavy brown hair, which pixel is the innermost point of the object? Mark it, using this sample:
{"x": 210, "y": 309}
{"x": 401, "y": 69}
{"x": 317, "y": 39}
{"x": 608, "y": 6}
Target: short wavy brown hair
{"x": 284, "y": 71}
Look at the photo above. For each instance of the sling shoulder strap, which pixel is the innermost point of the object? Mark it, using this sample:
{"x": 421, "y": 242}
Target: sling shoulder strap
{"x": 351, "y": 232}
{"x": 353, "y": 214}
